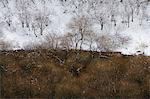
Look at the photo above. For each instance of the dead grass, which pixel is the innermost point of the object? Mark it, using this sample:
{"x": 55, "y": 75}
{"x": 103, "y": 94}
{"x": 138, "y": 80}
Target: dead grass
{"x": 36, "y": 74}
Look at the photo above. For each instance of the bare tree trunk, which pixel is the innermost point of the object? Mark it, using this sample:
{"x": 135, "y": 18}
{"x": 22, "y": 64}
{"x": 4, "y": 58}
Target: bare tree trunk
{"x": 132, "y": 15}
{"x": 91, "y": 46}
{"x": 114, "y": 22}
{"x": 3, "y": 4}
{"x": 41, "y": 31}
{"x": 81, "y": 43}
{"x": 34, "y": 32}
{"x": 33, "y": 1}
{"x": 41, "y": 28}
{"x": 22, "y": 24}
{"x": 27, "y": 24}
{"x": 8, "y": 22}
{"x": 128, "y": 21}
{"x": 102, "y": 25}
{"x": 76, "y": 45}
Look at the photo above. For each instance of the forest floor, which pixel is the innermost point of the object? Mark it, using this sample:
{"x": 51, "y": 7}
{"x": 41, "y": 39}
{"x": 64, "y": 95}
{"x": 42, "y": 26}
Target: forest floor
{"x": 73, "y": 74}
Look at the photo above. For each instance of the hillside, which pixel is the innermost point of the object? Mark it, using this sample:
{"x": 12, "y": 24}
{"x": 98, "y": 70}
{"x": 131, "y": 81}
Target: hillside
{"x": 26, "y": 22}
{"x": 73, "y": 74}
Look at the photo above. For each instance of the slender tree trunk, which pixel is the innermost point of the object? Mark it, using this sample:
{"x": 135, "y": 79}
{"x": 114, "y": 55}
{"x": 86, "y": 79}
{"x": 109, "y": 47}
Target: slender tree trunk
{"x": 34, "y": 32}
{"x": 91, "y": 46}
{"x": 3, "y": 4}
{"x": 8, "y": 22}
{"x": 41, "y": 31}
{"x": 128, "y": 22}
{"x": 114, "y": 22}
{"x": 102, "y": 25}
{"x": 132, "y": 15}
{"x": 22, "y": 24}
{"x": 76, "y": 44}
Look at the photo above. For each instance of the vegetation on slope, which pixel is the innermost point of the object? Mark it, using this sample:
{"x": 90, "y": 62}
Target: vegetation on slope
{"x": 73, "y": 74}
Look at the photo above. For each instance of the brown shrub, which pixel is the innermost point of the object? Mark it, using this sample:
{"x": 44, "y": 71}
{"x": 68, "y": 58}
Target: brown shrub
{"x": 33, "y": 75}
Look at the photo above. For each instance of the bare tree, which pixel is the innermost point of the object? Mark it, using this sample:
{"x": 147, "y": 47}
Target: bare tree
{"x": 104, "y": 43}
{"x": 23, "y": 7}
{"x": 41, "y": 20}
{"x": 109, "y": 42}
{"x": 90, "y": 40}
{"x": 4, "y": 2}
{"x": 66, "y": 41}
{"x": 80, "y": 27}
{"x": 75, "y": 7}
{"x": 52, "y": 41}
{"x": 33, "y": 17}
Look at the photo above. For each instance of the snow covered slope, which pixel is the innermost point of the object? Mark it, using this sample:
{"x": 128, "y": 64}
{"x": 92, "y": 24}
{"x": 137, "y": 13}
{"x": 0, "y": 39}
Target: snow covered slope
{"x": 60, "y": 14}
